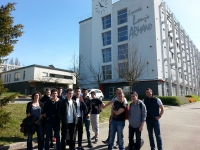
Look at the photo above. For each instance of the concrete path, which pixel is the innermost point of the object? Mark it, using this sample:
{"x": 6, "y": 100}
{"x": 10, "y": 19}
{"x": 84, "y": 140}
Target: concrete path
{"x": 180, "y": 129}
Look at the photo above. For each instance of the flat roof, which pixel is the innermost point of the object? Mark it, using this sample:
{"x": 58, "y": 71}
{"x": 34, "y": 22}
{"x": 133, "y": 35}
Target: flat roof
{"x": 39, "y": 66}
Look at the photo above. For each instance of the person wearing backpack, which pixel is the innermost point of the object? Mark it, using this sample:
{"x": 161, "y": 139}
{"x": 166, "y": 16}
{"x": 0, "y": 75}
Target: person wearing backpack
{"x": 137, "y": 116}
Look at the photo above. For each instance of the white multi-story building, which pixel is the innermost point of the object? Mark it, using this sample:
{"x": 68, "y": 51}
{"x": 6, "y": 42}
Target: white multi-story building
{"x": 172, "y": 58}
{"x": 29, "y": 79}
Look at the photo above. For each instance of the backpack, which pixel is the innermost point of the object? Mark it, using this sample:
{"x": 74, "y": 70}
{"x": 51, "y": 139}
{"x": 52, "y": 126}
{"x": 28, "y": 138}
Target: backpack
{"x": 128, "y": 107}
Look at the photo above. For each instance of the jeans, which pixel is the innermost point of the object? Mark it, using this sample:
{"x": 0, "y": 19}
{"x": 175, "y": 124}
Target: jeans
{"x": 79, "y": 129}
{"x": 131, "y": 137}
{"x": 154, "y": 125}
{"x": 56, "y": 129}
{"x": 116, "y": 126}
{"x": 87, "y": 126}
{"x": 71, "y": 127}
{"x": 39, "y": 131}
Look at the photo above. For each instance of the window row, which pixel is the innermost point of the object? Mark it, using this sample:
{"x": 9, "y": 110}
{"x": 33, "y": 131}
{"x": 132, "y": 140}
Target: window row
{"x": 122, "y": 53}
{"x": 7, "y": 77}
{"x": 122, "y": 36}
{"x": 121, "y": 18}
{"x": 45, "y": 74}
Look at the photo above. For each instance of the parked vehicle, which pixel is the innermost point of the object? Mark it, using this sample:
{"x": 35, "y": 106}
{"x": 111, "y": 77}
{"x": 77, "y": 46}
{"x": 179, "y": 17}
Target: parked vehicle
{"x": 98, "y": 92}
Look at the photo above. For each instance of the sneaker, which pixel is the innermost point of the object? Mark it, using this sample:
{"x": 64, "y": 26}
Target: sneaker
{"x": 90, "y": 144}
{"x": 80, "y": 148}
{"x": 93, "y": 138}
{"x": 96, "y": 140}
{"x": 105, "y": 142}
{"x": 116, "y": 146}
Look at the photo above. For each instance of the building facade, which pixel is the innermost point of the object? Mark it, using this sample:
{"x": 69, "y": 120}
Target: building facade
{"x": 29, "y": 79}
{"x": 172, "y": 59}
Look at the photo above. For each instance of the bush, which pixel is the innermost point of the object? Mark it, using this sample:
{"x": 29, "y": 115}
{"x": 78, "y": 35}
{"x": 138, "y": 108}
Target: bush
{"x": 183, "y": 100}
{"x": 170, "y": 100}
{"x": 192, "y": 98}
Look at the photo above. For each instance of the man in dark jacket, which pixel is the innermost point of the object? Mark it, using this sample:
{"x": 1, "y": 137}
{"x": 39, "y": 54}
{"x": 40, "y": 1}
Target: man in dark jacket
{"x": 60, "y": 96}
{"x": 155, "y": 110}
{"x": 51, "y": 119}
{"x": 46, "y": 96}
{"x": 86, "y": 118}
{"x": 81, "y": 109}
{"x": 68, "y": 116}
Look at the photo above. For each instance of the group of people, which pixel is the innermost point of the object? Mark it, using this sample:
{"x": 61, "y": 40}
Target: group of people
{"x": 72, "y": 110}
{"x": 75, "y": 110}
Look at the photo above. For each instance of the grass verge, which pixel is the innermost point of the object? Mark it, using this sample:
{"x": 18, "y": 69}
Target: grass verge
{"x": 11, "y": 134}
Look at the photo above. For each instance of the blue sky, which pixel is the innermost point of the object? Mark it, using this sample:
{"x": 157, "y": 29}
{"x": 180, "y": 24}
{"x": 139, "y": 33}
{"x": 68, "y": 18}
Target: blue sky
{"x": 51, "y": 28}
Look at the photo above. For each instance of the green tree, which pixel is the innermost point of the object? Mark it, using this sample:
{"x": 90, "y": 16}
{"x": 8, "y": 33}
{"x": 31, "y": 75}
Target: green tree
{"x": 8, "y": 37}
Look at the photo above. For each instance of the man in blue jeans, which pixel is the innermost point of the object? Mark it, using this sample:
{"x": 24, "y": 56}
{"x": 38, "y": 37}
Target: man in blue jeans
{"x": 86, "y": 117}
{"x": 118, "y": 122}
{"x": 155, "y": 110}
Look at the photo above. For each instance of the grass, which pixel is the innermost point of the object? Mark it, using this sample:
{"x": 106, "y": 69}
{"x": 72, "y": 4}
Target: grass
{"x": 11, "y": 134}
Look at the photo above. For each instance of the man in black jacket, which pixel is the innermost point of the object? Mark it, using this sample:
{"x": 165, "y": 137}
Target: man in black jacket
{"x": 86, "y": 118}
{"x": 51, "y": 119}
{"x": 81, "y": 109}
{"x": 68, "y": 116}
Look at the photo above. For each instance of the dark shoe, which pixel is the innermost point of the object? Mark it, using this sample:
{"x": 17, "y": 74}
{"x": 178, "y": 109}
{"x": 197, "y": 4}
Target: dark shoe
{"x": 51, "y": 145}
{"x": 96, "y": 140}
{"x": 90, "y": 144}
{"x": 116, "y": 146}
{"x": 80, "y": 148}
{"x": 93, "y": 138}
{"x": 105, "y": 142}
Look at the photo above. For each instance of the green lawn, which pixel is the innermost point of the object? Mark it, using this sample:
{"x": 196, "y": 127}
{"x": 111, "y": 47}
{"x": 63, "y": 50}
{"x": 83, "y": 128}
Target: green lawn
{"x": 11, "y": 133}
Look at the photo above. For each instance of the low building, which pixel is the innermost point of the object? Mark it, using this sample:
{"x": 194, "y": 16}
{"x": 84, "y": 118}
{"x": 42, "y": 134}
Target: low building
{"x": 32, "y": 78}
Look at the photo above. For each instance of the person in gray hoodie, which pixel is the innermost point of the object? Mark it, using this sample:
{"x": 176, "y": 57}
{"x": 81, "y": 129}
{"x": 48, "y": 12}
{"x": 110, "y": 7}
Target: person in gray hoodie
{"x": 137, "y": 116}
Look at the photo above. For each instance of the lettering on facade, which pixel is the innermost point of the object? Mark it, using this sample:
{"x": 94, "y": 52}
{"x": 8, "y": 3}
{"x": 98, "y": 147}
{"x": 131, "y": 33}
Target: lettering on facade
{"x": 135, "y": 30}
{"x": 131, "y": 13}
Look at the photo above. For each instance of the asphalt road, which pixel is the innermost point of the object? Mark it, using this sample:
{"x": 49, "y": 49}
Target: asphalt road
{"x": 180, "y": 129}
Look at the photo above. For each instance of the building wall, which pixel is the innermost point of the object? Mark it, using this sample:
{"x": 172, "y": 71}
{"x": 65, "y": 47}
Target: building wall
{"x": 172, "y": 58}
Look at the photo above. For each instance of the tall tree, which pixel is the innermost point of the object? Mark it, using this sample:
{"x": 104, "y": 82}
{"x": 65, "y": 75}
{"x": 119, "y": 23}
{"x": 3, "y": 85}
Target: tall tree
{"x": 8, "y": 37}
{"x": 76, "y": 66}
{"x": 17, "y": 63}
{"x": 131, "y": 65}
{"x": 11, "y": 62}
{"x": 96, "y": 73}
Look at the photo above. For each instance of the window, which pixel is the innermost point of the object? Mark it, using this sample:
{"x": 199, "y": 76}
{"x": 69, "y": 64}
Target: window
{"x": 122, "y": 16}
{"x": 52, "y": 75}
{"x": 106, "y": 38}
{"x": 106, "y": 55}
{"x": 5, "y": 79}
{"x": 17, "y": 76}
{"x": 67, "y": 77}
{"x": 106, "y": 22}
{"x": 9, "y": 77}
{"x": 123, "y": 51}
{"x": 111, "y": 92}
{"x": 44, "y": 74}
{"x": 122, "y": 34}
{"x": 107, "y": 72}
{"x": 24, "y": 75}
{"x": 122, "y": 69}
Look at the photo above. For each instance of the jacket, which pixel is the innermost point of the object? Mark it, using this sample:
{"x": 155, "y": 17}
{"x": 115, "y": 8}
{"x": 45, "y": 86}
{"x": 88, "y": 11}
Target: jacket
{"x": 83, "y": 107}
{"x": 63, "y": 112}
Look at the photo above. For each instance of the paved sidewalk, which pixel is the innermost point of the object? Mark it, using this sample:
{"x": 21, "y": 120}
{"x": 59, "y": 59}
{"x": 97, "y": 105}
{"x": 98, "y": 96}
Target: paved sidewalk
{"x": 180, "y": 129}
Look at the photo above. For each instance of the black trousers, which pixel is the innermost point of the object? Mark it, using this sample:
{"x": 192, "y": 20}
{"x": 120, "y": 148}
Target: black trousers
{"x": 79, "y": 129}
{"x": 71, "y": 128}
